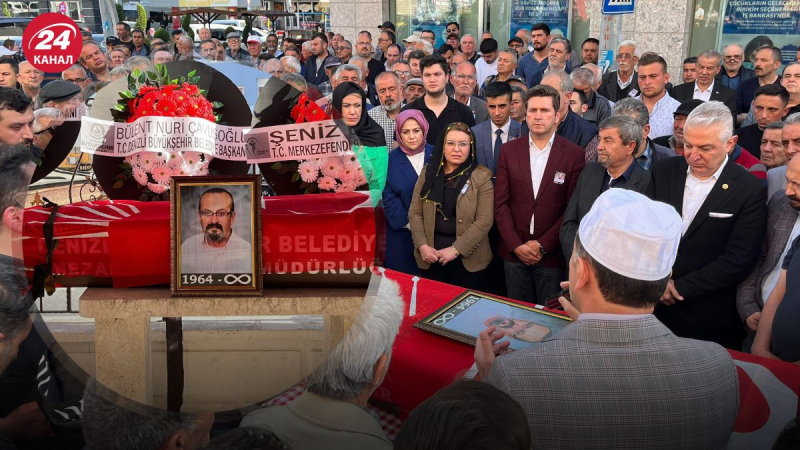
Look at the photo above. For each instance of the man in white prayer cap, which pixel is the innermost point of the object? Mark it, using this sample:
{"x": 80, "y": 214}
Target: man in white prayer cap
{"x": 617, "y": 377}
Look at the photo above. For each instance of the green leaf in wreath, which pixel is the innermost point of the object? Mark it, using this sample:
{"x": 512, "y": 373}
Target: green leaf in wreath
{"x": 118, "y": 184}
{"x": 191, "y": 74}
{"x": 136, "y": 73}
{"x": 119, "y": 176}
{"x": 276, "y": 166}
{"x": 152, "y": 76}
{"x": 194, "y": 80}
{"x": 295, "y": 177}
{"x": 119, "y": 107}
{"x": 309, "y": 189}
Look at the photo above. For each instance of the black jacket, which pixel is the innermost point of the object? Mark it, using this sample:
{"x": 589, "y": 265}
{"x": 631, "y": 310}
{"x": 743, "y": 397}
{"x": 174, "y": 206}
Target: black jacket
{"x": 586, "y": 192}
{"x": 720, "y": 93}
{"x": 717, "y": 251}
{"x": 610, "y": 89}
{"x": 314, "y": 76}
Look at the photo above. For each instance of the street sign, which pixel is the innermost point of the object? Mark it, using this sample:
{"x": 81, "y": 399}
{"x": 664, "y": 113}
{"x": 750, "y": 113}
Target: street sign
{"x": 617, "y": 7}
{"x": 62, "y": 8}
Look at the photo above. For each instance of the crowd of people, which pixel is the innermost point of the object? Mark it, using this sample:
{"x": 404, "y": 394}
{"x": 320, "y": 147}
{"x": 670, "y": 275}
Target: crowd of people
{"x": 673, "y": 210}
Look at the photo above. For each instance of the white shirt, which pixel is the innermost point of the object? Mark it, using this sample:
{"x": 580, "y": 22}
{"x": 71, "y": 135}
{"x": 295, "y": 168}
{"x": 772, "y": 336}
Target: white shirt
{"x": 503, "y": 135}
{"x": 484, "y": 70}
{"x": 200, "y": 258}
{"x": 703, "y": 95}
{"x": 417, "y": 161}
{"x": 695, "y": 192}
{"x": 771, "y": 280}
{"x": 539, "y": 157}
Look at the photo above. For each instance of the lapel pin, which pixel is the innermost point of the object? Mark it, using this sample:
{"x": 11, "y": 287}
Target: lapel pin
{"x": 725, "y": 186}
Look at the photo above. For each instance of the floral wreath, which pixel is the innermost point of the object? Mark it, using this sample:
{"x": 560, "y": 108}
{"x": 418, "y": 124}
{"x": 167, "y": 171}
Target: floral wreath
{"x": 152, "y": 94}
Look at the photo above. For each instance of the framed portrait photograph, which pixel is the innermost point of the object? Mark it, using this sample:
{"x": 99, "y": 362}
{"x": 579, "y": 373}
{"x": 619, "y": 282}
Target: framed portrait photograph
{"x": 216, "y": 236}
{"x": 470, "y": 313}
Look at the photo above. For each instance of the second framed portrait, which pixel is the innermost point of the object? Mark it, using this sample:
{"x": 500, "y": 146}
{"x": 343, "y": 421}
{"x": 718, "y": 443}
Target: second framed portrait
{"x": 464, "y": 317}
{"x": 216, "y": 236}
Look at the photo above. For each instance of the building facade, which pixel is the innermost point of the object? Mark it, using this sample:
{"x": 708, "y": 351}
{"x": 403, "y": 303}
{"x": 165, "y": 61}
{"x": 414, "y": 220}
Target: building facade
{"x": 674, "y": 29}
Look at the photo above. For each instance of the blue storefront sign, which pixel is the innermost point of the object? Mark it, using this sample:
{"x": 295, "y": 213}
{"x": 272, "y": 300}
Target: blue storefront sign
{"x": 526, "y": 13}
{"x": 753, "y": 23}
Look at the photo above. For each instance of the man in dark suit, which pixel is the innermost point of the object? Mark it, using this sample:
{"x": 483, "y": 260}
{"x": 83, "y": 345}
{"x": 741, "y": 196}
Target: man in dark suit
{"x": 536, "y": 176}
{"x": 648, "y": 152}
{"x": 783, "y": 226}
{"x": 489, "y": 138}
{"x": 315, "y": 66}
{"x": 464, "y": 81}
{"x": 705, "y": 87}
{"x": 734, "y": 72}
{"x": 624, "y": 82}
{"x": 615, "y": 168}
{"x": 723, "y": 209}
{"x": 492, "y": 134}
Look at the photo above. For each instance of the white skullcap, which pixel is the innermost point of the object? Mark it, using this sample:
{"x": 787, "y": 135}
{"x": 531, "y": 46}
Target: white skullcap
{"x": 632, "y": 235}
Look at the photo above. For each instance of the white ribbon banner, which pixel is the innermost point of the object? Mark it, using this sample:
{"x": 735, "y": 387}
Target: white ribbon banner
{"x": 176, "y": 134}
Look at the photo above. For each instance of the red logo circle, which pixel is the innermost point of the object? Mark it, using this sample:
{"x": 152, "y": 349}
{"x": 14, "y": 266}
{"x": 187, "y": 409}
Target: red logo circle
{"x": 52, "y": 42}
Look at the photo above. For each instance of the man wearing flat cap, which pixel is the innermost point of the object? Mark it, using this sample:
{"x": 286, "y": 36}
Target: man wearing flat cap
{"x": 62, "y": 95}
{"x": 617, "y": 377}
{"x": 723, "y": 207}
{"x": 235, "y": 50}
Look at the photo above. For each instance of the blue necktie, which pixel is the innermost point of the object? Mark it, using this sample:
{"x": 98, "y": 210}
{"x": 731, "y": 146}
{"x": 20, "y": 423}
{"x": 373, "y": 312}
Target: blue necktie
{"x": 497, "y": 143}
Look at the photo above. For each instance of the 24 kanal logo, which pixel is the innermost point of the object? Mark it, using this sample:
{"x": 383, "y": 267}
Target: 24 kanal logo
{"x": 52, "y": 42}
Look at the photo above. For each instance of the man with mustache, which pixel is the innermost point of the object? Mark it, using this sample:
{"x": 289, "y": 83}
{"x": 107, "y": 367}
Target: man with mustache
{"x": 390, "y": 94}
{"x": 217, "y": 249}
{"x": 621, "y": 83}
{"x": 766, "y": 65}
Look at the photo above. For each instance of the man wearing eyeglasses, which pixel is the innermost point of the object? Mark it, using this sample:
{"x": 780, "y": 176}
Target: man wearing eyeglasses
{"x": 76, "y": 74}
{"x": 624, "y": 82}
{"x": 464, "y": 81}
{"x": 453, "y": 28}
{"x": 344, "y": 51}
{"x": 216, "y": 249}
{"x": 734, "y": 74}
{"x": 364, "y": 47}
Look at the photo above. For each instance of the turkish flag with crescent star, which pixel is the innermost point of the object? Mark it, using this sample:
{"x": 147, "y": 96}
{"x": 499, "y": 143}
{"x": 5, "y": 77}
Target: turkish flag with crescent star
{"x": 768, "y": 400}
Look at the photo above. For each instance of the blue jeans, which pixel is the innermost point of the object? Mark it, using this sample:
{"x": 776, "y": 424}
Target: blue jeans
{"x": 532, "y": 284}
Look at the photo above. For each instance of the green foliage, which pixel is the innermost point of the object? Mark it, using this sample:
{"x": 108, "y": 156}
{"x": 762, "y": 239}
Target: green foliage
{"x": 187, "y": 19}
{"x": 120, "y": 12}
{"x": 162, "y": 34}
{"x": 141, "y": 19}
{"x": 120, "y": 112}
{"x": 229, "y": 30}
{"x": 6, "y": 11}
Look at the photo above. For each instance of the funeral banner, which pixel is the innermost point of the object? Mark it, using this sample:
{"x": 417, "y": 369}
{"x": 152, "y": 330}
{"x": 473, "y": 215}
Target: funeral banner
{"x": 170, "y": 134}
